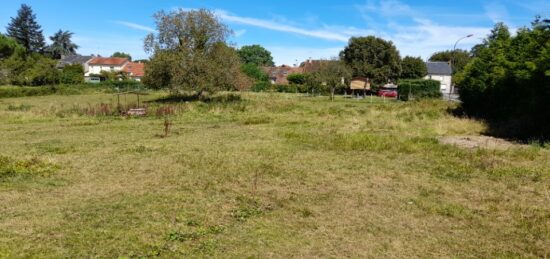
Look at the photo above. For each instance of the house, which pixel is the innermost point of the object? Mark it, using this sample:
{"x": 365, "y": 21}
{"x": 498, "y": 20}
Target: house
{"x": 75, "y": 59}
{"x": 135, "y": 70}
{"x": 99, "y": 64}
{"x": 442, "y": 72}
{"x": 278, "y": 75}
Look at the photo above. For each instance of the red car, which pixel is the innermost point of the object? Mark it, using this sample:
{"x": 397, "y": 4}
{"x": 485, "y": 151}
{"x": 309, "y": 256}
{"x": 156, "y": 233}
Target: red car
{"x": 387, "y": 93}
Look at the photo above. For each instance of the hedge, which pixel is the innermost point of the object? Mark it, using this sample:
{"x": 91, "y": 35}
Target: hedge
{"x": 419, "y": 88}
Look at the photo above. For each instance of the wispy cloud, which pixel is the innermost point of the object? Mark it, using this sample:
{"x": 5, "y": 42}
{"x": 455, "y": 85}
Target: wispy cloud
{"x": 496, "y": 12}
{"x": 275, "y": 26}
{"x": 240, "y": 33}
{"x": 135, "y": 26}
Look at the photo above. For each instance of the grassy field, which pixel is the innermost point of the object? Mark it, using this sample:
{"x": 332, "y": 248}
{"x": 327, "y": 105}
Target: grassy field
{"x": 271, "y": 175}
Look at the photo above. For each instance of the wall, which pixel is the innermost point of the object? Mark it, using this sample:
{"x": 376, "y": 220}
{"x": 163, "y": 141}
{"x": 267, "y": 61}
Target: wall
{"x": 445, "y": 81}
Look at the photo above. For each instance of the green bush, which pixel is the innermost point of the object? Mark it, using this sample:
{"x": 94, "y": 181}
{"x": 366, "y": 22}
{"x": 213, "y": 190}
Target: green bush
{"x": 285, "y": 88}
{"x": 72, "y": 74}
{"x": 296, "y": 79}
{"x": 419, "y": 88}
{"x": 21, "y": 91}
{"x": 507, "y": 83}
{"x": 261, "y": 87}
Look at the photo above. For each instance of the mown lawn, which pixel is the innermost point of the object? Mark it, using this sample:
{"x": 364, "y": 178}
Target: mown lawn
{"x": 272, "y": 175}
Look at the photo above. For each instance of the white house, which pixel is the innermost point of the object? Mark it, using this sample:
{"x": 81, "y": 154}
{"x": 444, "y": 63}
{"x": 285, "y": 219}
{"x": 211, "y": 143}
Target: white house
{"x": 98, "y": 64}
{"x": 442, "y": 72}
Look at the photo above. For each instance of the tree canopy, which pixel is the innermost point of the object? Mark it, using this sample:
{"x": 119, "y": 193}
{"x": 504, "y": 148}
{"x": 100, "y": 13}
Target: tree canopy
{"x": 413, "y": 68}
{"x": 508, "y": 82}
{"x": 119, "y": 54}
{"x": 372, "y": 57}
{"x": 61, "y": 44}
{"x": 458, "y": 57}
{"x": 256, "y": 54}
{"x": 8, "y": 46}
{"x": 25, "y": 30}
{"x": 190, "y": 53}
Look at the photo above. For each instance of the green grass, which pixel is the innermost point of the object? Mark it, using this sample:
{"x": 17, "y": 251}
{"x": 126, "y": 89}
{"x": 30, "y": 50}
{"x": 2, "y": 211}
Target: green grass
{"x": 269, "y": 175}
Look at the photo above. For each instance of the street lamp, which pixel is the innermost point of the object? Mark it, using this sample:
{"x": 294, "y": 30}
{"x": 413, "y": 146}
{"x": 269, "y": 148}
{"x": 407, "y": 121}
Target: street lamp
{"x": 453, "y": 57}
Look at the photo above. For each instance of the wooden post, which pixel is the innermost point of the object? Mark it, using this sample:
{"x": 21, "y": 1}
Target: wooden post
{"x": 138, "y": 100}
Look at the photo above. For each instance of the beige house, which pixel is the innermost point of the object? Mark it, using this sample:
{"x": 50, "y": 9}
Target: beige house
{"x": 442, "y": 72}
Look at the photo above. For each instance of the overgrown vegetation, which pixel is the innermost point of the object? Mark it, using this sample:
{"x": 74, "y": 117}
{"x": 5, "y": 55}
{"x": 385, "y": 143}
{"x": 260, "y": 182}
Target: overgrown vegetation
{"x": 257, "y": 174}
{"x": 190, "y": 53}
{"x": 508, "y": 82}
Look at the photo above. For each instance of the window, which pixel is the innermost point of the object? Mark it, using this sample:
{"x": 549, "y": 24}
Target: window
{"x": 112, "y": 69}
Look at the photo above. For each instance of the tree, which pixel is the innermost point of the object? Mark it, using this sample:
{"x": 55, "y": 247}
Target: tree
{"x": 254, "y": 72}
{"x": 62, "y": 44}
{"x": 8, "y": 47}
{"x": 372, "y": 57}
{"x": 72, "y": 74}
{"x": 329, "y": 77}
{"x": 413, "y": 68}
{"x": 257, "y": 55}
{"x": 297, "y": 78}
{"x": 121, "y": 55}
{"x": 25, "y": 30}
{"x": 190, "y": 53}
{"x": 458, "y": 57}
{"x": 507, "y": 83}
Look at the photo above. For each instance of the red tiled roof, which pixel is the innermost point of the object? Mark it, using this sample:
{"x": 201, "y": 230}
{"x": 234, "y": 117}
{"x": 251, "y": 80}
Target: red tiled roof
{"x": 108, "y": 61}
{"x": 134, "y": 69}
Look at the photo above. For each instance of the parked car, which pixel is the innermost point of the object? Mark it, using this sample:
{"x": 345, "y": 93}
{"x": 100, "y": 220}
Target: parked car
{"x": 387, "y": 93}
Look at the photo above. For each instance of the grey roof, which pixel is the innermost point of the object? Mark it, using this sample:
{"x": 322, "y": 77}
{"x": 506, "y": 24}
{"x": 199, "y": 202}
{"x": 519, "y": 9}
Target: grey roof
{"x": 439, "y": 68}
{"x": 74, "y": 59}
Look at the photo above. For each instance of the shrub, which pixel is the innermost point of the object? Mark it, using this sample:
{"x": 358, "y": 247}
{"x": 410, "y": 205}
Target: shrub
{"x": 72, "y": 74}
{"x": 296, "y": 79}
{"x": 255, "y": 72}
{"x": 261, "y": 87}
{"x": 419, "y": 88}
{"x": 285, "y": 88}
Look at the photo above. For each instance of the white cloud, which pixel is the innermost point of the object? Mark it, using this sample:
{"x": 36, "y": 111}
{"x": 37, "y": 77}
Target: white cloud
{"x": 135, "y": 26}
{"x": 275, "y": 26}
{"x": 290, "y": 55}
{"x": 496, "y": 12}
{"x": 240, "y": 33}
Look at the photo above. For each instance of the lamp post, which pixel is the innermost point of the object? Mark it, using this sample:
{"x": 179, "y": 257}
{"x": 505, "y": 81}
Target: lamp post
{"x": 453, "y": 57}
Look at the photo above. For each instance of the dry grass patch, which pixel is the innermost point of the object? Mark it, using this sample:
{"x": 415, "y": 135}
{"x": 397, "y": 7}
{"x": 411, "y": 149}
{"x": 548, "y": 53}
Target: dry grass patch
{"x": 268, "y": 175}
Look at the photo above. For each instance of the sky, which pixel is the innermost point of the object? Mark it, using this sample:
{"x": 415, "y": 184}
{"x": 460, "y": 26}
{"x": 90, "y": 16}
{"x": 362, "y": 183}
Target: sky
{"x": 292, "y": 30}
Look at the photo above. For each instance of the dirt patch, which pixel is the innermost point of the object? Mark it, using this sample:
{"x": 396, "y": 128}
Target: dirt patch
{"x": 474, "y": 142}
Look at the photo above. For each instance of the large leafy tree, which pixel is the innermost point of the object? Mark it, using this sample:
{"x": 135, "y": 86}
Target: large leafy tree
{"x": 372, "y": 57}
{"x": 256, "y": 54}
{"x": 508, "y": 82}
{"x": 413, "y": 68}
{"x": 459, "y": 58}
{"x": 62, "y": 44}
{"x": 190, "y": 53}
{"x": 119, "y": 54}
{"x": 25, "y": 30}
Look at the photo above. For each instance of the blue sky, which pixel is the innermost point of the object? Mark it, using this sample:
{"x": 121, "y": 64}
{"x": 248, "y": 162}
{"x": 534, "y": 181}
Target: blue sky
{"x": 292, "y": 30}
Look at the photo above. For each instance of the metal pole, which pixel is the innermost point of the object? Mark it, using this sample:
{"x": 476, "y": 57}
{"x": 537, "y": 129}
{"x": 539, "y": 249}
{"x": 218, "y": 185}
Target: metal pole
{"x": 453, "y": 57}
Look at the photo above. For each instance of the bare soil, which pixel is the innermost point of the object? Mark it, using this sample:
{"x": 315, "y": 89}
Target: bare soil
{"x": 474, "y": 142}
